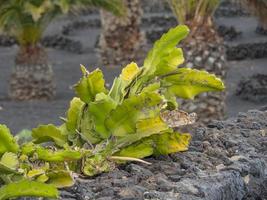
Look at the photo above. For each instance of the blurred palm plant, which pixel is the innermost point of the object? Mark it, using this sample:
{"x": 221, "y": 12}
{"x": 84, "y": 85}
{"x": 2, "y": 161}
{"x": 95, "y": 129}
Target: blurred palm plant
{"x": 121, "y": 39}
{"x": 26, "y": 21}
{"x": 204, "y": 50}
{"x": 195, "y": 13}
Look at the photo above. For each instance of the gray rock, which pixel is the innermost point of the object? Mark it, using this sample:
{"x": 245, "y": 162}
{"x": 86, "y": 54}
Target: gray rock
{"x": 222, "y": 163}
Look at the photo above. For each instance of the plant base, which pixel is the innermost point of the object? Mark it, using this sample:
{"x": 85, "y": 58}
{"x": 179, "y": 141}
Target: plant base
{"x": 29, "y": 82}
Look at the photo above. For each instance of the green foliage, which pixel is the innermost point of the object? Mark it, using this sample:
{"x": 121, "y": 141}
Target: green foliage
{"x": 194, "y": 11}
{"x": 10, "y": 160}
{"x": 187, "y": 83}
{"x": 73, "y": 114}
{"x": 60, "y": 179}
{"x": 163, "y": 144}
{"x": 28, "y": 188}
{"x": 171, "y": 142}
{"x": 57, "y": 156}
{"x": 123, "y": 119}
{"x": 27, "y": 20}
{"x": 162, "y": 59}
{"x": 34, "y": 170}
{"x": 46, "y": 133}
{"x": 165, "y": 56}
{"x": 7, "y": 142}
{"x": 9, "y": 163}
{"x": 139, "y": 149}
{"x": 90, "y": 85}
{"x": 99, "y": 109}
{"x": 104, "y": 127}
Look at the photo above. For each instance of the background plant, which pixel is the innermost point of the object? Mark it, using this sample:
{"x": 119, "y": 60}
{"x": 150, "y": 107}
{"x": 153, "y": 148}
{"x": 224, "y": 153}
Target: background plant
{"x": 104, "y": 127}
{"x": 26, "y": 20}
{"x": 194, "y": 12}
{"x": 121, "y": 39}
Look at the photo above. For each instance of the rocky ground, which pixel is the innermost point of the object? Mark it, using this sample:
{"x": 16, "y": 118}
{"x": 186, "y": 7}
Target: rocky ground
{"x": 226, "y": 161}
{"x": 71, "y": 41}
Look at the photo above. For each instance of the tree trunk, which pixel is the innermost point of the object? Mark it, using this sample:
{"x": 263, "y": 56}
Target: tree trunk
{"x": 32, "y": 76}
{"x": 204, "y": 50}
{"x": 121, "y": 40}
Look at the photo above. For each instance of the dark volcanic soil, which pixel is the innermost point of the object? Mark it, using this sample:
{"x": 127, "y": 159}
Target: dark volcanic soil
{"x": 226, "y": 161}
{"x": 254, "y": 88}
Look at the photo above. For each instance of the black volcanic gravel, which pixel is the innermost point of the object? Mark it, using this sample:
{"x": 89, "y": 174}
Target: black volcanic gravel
{"x": 226, "y": 160}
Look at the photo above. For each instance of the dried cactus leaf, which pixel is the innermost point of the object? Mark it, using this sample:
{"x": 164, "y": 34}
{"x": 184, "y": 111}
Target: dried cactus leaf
{"x": 97, "y": 164}
{"x": 177, "y": 118}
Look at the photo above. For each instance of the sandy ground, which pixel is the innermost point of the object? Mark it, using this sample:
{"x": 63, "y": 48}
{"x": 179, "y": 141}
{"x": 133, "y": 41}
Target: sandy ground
{"x": 21, "y": 115}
